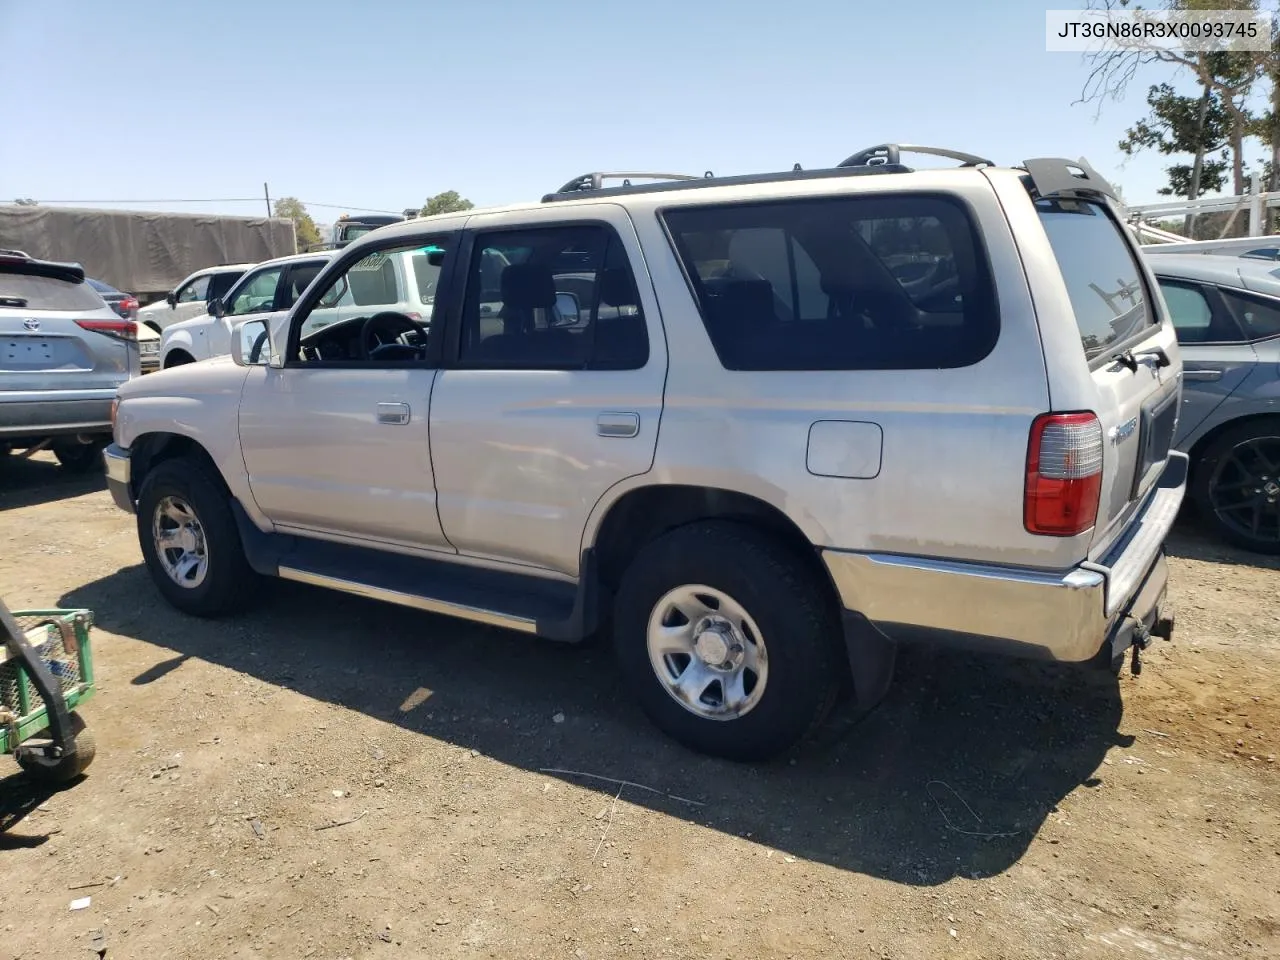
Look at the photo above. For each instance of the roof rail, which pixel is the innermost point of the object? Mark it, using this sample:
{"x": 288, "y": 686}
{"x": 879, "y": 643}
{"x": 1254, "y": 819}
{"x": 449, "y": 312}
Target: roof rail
{"x": 686, "y": 182}
{"x": 890, "y": 153}
{"x": 594, "y": 181}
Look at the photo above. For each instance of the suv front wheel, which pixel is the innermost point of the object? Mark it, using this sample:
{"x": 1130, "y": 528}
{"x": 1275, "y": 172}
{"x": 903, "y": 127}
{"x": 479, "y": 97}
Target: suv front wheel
{"x": 190, "y": 542}
{"x": 729, "y": 643}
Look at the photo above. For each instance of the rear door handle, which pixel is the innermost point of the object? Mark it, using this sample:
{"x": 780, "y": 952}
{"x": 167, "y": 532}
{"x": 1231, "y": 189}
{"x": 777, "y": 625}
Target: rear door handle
{"x": 618, "y": 424}
{"x": 397, "y": 413}
{"x": 1194, "y": 374}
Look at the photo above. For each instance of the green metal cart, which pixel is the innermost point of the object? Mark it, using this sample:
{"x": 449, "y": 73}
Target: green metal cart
{"x": 46, "y": 672}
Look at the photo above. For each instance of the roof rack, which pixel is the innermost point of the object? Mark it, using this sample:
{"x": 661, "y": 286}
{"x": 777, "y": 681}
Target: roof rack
{"x": 577, "y": 189}
{"x": 595, "y": 181}
{"x": 891, "y": 153}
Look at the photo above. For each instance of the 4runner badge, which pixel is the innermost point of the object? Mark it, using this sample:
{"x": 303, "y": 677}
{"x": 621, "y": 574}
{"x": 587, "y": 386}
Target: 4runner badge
{"x": 1124, "y": 431}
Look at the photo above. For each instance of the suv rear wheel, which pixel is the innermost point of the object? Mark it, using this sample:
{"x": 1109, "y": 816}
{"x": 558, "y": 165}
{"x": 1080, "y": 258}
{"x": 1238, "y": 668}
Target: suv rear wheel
{"x": 1237, "y": 485}
{"x": 76, "y": 457}
{"x": 730, "y": 645}
{"x": 190, "y": 542}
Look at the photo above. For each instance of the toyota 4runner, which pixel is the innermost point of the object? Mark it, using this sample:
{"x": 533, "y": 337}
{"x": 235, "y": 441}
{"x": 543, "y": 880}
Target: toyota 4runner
{"x": 761, "y": 428}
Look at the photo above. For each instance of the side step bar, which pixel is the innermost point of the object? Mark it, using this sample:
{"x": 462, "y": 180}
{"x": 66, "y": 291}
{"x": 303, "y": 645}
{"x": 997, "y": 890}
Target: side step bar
{"x": 535, "y": 605}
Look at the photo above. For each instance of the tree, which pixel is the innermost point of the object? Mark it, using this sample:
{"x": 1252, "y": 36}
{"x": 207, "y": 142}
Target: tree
{"x": 1184, "y": 125}
{"x": 447, "y": 202}
{"x": 1228, "y": 75}
{"x": 304, "y": 228}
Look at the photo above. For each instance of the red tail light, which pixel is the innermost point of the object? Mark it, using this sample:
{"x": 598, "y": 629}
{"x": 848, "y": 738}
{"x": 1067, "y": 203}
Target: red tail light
{"x": 1064, "y": 474}
{"x": 129, "y": 306}
{"x": 120, "y": 329}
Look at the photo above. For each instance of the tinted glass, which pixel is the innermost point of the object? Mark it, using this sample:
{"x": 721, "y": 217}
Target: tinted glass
{"x": 220, "y": 283}
{"x": 196, "y": 290}
{"x": 553, "y": 299}
{"x": 300, "y": 278}
{"x": 1259, "y": 315}
{"x": 1102, "y": 277}
{"x": 257, "y": 295}
{"x": 1190, "y": 311}
{"x": 845, "y": 283}
{"x": 100, "y": 286}
{"x": 46, "y": 293}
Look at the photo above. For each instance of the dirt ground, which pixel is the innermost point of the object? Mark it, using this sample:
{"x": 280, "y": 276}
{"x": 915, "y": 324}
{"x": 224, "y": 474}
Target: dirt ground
{"x": 987, "y": 809}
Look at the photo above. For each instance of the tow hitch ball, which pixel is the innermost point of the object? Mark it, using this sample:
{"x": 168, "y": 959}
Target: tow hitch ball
{"x": 1142, "y": 636}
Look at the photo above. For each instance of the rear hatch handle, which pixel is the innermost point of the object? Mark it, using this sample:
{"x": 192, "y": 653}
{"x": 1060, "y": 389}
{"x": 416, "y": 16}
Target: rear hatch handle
{"x": 1156, "y": 357}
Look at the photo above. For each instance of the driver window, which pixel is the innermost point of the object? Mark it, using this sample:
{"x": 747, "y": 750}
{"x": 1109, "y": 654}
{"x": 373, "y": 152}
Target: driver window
{"x": 377, "y": 310}
{"x": 256, "y": 295}
{"x": 195, "y": 290}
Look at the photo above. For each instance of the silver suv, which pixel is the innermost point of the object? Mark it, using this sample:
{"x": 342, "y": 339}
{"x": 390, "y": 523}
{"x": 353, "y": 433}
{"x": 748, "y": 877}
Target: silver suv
{"x": 63, "y": 353}
{"x": 761, "y": 428}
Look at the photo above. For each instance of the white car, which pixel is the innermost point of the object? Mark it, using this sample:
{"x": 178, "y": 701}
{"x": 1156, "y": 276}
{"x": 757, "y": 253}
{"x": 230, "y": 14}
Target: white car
{"x": 191, "y": 297}
{"x": 404, "y": 283}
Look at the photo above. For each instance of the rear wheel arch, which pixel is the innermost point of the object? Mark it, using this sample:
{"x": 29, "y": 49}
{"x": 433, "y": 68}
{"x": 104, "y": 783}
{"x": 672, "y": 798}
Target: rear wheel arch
{"x": 1198, "y": 449}
{"x": 643, "y": 514}
{"x": 177, "y": 358}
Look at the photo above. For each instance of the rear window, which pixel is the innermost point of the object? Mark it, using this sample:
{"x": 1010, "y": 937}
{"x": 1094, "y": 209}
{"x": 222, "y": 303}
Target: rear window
{"x": 1102, "y": 277}
{"x": 46, "y": 293}
{"x": 849, "y": 283}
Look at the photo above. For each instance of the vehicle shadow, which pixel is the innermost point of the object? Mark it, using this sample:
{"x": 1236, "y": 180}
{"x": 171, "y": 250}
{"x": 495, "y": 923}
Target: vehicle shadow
{"x": 951, "y": 776}
{"x": 28, "y": 483}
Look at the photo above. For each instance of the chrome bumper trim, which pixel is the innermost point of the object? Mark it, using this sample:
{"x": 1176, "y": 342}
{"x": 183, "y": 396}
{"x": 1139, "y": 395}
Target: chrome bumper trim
{"x": 1063, "y": 615}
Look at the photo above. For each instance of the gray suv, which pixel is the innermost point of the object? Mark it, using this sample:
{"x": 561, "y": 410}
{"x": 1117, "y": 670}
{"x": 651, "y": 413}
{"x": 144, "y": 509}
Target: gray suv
{"x": 63, "y": 354}
{"x": 762, "y": 429}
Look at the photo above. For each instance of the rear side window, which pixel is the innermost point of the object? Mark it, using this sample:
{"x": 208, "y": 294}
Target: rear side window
{"x": 1260, "y": 316}
{"x": 220, "y": 283}
{"x": 1103, "y": 281}
{"x": 47, "y": 293}
{"x": 849, "y": 283}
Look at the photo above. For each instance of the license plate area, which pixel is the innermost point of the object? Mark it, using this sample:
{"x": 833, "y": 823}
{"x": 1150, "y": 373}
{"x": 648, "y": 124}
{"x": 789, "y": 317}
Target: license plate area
{"x": 1156, "y": 424}
{"x": 22, "y": 353}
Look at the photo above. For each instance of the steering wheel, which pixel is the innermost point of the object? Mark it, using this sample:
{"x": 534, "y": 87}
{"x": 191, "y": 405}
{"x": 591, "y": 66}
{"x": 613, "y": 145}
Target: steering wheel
{"x": 389, "y": 322}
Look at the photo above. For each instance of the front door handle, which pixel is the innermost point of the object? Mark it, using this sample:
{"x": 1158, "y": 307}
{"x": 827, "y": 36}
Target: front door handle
{"x": 397, "y": 413}
{"x": 1206, "y": 375}
{"x": 618, "y": 424}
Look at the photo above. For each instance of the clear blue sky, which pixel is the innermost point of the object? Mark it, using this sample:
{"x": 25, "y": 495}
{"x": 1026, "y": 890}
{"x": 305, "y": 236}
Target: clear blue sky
{"x": 383, "y": 103}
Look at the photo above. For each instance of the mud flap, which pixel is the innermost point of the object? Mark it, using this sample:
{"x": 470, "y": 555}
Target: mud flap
{"x": 872, "y": 657}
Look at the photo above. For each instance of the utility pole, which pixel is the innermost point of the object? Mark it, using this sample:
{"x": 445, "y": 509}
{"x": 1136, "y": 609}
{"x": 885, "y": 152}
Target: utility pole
{"x": 266, "y": 196}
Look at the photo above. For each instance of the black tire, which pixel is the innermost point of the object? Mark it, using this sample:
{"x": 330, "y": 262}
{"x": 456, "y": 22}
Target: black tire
{"x": 65, "y": 768}
{"x": 80, "y": 457}
{"x": 795, "y": 615}
{"x": 178, "y": 359}
{"x": 1219, "y": 469}
{"x": 229, "y": 584}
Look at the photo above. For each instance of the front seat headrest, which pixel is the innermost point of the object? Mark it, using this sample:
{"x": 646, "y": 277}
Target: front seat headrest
{"x": 528, "y": 285}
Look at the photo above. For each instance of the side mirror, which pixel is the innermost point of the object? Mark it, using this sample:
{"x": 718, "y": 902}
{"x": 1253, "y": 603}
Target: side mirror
{"x": 567, "y": 310}
{"x": 171, "y": 298}
{"x": 216, "y": 309}
{"x": 251, "y": 344}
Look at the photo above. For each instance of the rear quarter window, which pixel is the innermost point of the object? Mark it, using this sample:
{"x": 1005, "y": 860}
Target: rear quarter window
{"x": 839, "y": 283}
{"x": 1103, "y": 281}
{"x": 48, "y": 293}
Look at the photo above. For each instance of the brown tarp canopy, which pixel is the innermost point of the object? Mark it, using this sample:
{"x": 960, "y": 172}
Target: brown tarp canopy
{"x": 138, "y": 251}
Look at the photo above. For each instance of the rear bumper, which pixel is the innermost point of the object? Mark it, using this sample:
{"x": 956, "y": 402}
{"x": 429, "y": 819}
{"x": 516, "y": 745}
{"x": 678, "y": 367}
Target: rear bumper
{"x": 1067, "y": 616}
{"x": 115, "y": 460}
{"x": 44, "y": 418}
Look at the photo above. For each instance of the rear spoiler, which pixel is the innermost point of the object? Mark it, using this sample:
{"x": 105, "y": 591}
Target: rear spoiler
{"x": 15, "y": 261}
{"x": 1059, "y": 177}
